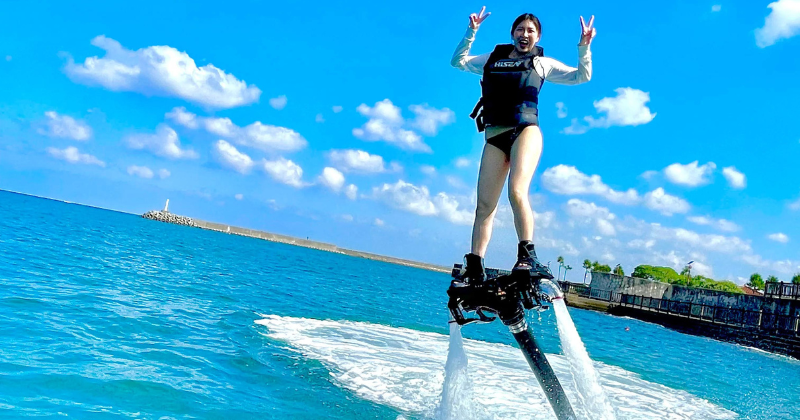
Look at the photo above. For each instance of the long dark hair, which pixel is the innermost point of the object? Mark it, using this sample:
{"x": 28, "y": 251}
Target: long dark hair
{"x": 530, "y": 17}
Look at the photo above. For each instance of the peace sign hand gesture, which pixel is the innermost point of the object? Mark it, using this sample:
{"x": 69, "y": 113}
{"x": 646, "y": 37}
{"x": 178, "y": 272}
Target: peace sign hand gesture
{"x": 476, "y": 20}
{"x": 588, "y": 32}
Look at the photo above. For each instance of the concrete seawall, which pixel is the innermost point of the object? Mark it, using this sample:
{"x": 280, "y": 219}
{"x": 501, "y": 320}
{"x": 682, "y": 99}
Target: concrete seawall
{"x": 167, "y": 217}
{"x": 649, "y": 288}
{"x": 767, "y": 323}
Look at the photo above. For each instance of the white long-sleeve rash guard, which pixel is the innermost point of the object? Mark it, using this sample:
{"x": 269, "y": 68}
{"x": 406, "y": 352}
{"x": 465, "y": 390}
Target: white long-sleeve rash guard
{"x": 554, "y": 70}
{"x": 548, "y": 69}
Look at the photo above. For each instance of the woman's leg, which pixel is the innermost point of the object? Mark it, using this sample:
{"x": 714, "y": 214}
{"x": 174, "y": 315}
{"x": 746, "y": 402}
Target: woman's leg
{"x": 492, "y": 176}
{"x": 525, "y": 155}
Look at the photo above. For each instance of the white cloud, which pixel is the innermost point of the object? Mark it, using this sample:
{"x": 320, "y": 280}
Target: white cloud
{"x": 285, "y": 171}
{"x": 351, "y": 192}
{"x": 593, "y": 214}
{"x": 561, "y": 110}
{"x": 268, "y": 138}
{"x": 463, "y": 162}
{"x": 379, "y": 222}
{"x": 691, "y": 175}
{"x": 710, "y": 242}
{"x": 427, "y": 170}
{"x": 779, "y": 237}
{"x": 641, "y": 244}
{"x": 72, "y": 155}
{"x": 408, "y": 197}
{"x": 319, "y": 118}
{"x": 8, "y": 58}
{"x": 183, "y": 117}
{"x": 385, "y": 123}
{"x": 783, "y": 266}
{"x": 160, "y": 71}
{"x": 140, "y": 171}
{"x": 664, "y": 203}
{"x": 783, "y": 22}
{"x": 164, "y": 143}
{"x": 449, "y": 208}
{"x": 628, "y": 108}
{"x": 228, "y": 156}
{"x": 456, "y": 182}
{"x": 332, "y": 179}
{"x": 720, "y": 224}
{"x": 336, "y": 109}
{"x": 428, "y": 119}
{"x": 795, "y": 205}
{"x": 568, "y": 180}
{"x": 163, "y": 173}
{"x": 239, "y": 197}
{"x": 716, "y": 8}
{"x": 359, "y": 161}
{"x": 278, "y": 103}
{"x": 735, "y": 178}
{"x": 64, "y": 126}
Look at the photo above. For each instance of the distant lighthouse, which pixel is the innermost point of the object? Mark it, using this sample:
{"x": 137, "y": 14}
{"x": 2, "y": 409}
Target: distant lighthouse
{"x": 166, "y": 207}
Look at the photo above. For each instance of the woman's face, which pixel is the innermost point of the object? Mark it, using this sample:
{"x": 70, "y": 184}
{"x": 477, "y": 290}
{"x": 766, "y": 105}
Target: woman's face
{"x": 525, "y": 36}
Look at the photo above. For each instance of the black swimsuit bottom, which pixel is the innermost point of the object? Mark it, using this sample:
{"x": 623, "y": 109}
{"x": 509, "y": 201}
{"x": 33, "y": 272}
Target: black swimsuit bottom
{"x": 505, "y": 140}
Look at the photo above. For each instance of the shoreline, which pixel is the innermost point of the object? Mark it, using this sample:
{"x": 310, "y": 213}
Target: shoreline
{"x": 172, "y": 218}
{"x": 273, "y": 237}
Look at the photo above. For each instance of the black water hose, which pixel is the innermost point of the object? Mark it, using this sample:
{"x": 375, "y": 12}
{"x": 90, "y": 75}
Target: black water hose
{"x": 515, "y": 320}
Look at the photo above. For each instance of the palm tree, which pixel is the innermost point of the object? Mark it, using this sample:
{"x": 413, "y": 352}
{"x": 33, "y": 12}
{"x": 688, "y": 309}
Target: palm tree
{"x": 560, "y": 263}
{"x": 796, "y": 279}
{"x": 588, "y": 264}
{"x": 566, "y": 268}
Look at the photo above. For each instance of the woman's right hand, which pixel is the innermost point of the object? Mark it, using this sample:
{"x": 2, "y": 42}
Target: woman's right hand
{"x": 476, "y": 20}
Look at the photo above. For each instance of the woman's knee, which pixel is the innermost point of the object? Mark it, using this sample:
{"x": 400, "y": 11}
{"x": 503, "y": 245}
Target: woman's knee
{"x": 518, "y": 197}
{"x": 485, "y": 210}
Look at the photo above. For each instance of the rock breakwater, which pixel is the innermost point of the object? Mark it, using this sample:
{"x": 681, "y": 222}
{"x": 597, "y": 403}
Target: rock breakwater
{"x": 167, "y": 217}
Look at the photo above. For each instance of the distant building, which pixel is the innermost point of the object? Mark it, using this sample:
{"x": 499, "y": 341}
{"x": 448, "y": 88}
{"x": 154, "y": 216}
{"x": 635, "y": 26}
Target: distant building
{"x": 750, "y": 291}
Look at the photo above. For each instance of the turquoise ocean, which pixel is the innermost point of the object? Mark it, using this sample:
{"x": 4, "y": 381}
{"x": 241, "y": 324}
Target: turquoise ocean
{"x": 107, "y": 315}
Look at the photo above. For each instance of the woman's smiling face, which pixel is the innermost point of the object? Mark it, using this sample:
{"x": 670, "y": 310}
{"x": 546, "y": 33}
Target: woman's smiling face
{"x": 525, "y": 36}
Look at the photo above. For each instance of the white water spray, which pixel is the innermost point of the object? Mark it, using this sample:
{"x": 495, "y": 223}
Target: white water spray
{"x": 457, "y": 402}
{"x": 590, "y": 394}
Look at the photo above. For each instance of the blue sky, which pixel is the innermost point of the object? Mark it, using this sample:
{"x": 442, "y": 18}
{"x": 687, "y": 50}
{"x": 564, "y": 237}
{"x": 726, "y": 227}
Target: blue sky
{"x": 346, "y": 124}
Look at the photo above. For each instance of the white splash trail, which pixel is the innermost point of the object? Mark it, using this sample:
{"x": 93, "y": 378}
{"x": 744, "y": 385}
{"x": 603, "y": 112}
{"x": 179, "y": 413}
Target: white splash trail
{"x": 457, "y": 402}
{"x": 593, "y": 403}
{"x": 405, "y": 369}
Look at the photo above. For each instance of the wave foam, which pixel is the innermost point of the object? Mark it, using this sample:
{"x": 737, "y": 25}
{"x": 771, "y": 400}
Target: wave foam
{"x": 404, "y": 369}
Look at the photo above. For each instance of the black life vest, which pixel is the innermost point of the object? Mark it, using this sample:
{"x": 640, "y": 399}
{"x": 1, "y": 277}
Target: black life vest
{"x": 509, "y": 89}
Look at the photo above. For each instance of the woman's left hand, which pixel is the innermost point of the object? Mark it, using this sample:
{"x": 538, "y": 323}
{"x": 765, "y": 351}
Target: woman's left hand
{"x": 587, "y": 31}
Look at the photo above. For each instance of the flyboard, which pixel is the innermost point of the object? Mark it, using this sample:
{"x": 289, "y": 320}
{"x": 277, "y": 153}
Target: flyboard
{"x": 507, "y": 295}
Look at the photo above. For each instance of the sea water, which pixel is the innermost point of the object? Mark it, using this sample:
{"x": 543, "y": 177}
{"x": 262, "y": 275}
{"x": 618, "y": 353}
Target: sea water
{"x": 108, "y": 315}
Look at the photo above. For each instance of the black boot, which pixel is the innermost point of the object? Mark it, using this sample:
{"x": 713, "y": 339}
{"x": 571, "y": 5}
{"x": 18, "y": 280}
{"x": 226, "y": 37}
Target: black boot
{"x": 474, "y": 270}
{"x": 527, "y": 261}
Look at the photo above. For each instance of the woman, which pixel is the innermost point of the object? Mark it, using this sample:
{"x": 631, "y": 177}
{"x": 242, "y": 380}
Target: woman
{"x": 513, "y": 74}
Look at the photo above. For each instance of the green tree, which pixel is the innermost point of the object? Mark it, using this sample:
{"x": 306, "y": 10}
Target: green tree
{"x": 756, "y": 282}
{"x": 586, "y": 266}
{"x": 560, "y": 261}
{"x": 772, "y": 279}
{"x": 796, "y": 279}
{"x": 618, "y": 270}
{"x": 600, "y": 268}
{"x": 668, "y": 275}
{"x": 662, "y": 274}
{"x": 566, "y": 269}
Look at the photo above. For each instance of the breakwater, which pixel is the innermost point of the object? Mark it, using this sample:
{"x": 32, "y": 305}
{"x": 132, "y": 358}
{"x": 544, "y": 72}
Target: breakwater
{"x": 768, "y": 323}
{"x": 167, "y": 217}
